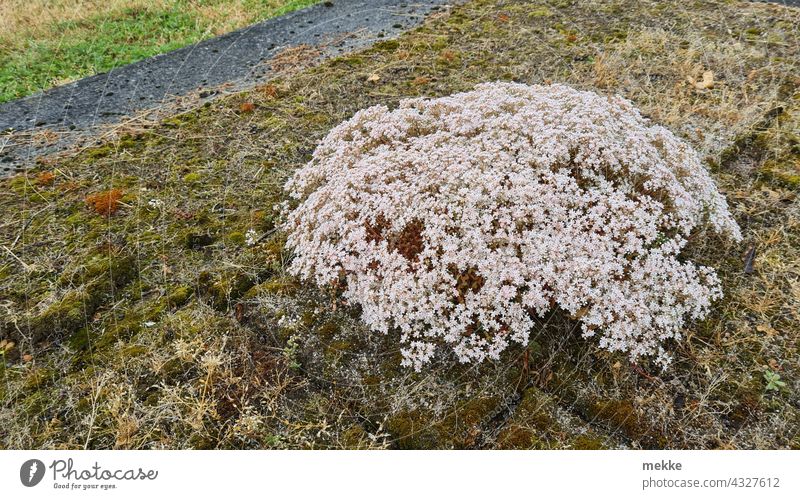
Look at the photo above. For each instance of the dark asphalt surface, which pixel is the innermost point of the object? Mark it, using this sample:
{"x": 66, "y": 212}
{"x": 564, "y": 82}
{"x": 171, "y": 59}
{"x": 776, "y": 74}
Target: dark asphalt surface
{"x": 241, "y": 58}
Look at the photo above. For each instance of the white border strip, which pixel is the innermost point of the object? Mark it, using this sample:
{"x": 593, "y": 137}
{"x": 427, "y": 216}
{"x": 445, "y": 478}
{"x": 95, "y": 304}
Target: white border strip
{"x": 371, "y": 474}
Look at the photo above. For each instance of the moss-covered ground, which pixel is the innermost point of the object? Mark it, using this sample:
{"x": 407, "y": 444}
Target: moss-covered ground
{"x": 137, "y": 309}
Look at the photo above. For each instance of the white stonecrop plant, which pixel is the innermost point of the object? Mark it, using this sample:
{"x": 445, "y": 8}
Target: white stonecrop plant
{"x": 458, "y": 220}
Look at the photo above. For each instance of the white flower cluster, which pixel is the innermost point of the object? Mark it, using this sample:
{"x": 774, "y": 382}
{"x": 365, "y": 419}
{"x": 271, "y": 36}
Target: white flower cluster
{"x": 251, "y": 237}
{"x": 458, "y": 220}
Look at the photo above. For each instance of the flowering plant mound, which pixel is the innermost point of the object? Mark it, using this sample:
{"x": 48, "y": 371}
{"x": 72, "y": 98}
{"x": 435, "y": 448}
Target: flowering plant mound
{"x": 458, "y": 220}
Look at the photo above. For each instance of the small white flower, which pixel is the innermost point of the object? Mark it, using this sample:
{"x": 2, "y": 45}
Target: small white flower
{"x": 250, "y": 237}
{"x": 155, "y": 204}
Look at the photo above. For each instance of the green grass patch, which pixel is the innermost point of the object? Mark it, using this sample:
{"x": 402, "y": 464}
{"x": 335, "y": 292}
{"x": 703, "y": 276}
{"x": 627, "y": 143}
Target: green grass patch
{"x": 75, "y": 48}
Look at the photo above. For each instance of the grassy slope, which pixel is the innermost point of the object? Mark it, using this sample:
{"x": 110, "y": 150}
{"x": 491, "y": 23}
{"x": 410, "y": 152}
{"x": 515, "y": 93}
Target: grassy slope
{"x": 43, "y": 44}
{"x": 160, "y": 327}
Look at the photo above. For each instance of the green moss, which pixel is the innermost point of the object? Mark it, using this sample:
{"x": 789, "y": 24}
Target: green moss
{"x": 89, "y": 286}
{"x": 351, "y": 61}
{"x": 779, "y": 174}
{"x": 5, "y": 271}
{"x": 114, "y": 269}
{"x": 275, "y": 247}
{"x": 194, "y": 240}
{"x": 283, "y": 285}
{"x": 236, "y": 238}
{"x": 621, "y": 416}
{"x": 387, "y": 45}
{"x": 588, "y": 442}
{"x": 534, "y": 425}
{"x": 317, "y": 119}
{"x": 34, "y": 403}
{"x": 412, "y": 430}
{"x": 744, "y": 144}
{"x": 179, "y": 296}
{"x": 76, "y": 219}
{"x": 79, "y": 341}
{"x": 38, "y": 378}
{"x": 201, "y": 442}
{"x": 102, "y": 264}
{"x": 355, "y": 437}
{"x": 180, "y": 120}
{"x": 83, "y": 404}
{"x": 517, "y": 437}
{"x": 221, "y": 293}
{"x": 121, "y": 144}
{"x": 747, "y": 407}
{"x": 191, "y": 178}
{"x": 336, "y": 348}
{"x": 19, "y": 184}
{"x": 328, "y": 330}
{"x": 440, "y": 42}
{"x": 540, "y": 12}
{"x": 122, "y": 331}
{"x": 534, "y": 408}
{"x": 531, "y": 424}
{"x": 99, "y": 152}
{"x": 174, "y": 370}
{"x": 133, "y": 351}
{"x": 65, "y": 316}
{"x": 418, "y": 429}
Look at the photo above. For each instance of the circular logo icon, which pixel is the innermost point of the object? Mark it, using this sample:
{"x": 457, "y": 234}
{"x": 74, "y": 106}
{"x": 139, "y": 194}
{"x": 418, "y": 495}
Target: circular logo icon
{"x": 31, "y": 472}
